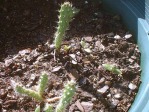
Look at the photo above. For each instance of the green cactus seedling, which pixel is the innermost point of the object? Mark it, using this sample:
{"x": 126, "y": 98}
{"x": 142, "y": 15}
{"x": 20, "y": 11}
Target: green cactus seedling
{"x": 43, "y": 83}
{"x": 31, "y": 93}
{"x": 66, "y": 13}
{"x": 28, "y": 92}
{"x": 68, "y": 93}
{"x": 112, "y": 69}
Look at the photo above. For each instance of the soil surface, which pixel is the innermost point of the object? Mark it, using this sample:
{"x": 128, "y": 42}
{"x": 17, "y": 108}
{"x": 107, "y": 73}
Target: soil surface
{"x": 25, "y": 28}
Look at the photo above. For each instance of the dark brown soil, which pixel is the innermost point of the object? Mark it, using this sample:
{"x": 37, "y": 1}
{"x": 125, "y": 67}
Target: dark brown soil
{"x": 25, "y": 28}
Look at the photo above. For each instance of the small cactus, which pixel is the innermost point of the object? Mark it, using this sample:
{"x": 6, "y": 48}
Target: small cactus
{"x": 112, "y": 69}
{"x": 66, "y": 13}
{"x": 67, "y": 95}
{"x": 31, "y": 93}
{"x": 43, "y": 83}
{"x": 28, "y": 92}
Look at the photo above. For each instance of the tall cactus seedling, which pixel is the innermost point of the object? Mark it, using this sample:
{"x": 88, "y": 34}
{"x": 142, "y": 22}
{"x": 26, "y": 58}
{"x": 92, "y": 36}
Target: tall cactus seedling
{"x": 66, "y": 13}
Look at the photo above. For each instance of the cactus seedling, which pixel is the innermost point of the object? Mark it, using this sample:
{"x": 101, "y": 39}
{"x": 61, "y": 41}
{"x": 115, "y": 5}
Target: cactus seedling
{"x": 28, "y": 92}
{"x": 68, "y": 93}
{"x": 66, "y": 13}
{"x": 43, "y": 83}
{"x": 31, "y": 93}
{"x": 112, "y": 69}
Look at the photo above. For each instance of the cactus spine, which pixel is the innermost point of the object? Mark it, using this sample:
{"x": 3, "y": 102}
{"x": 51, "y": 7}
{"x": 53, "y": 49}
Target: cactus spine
{"x": 66, "y": 14}
{"x": 68, "y": 93}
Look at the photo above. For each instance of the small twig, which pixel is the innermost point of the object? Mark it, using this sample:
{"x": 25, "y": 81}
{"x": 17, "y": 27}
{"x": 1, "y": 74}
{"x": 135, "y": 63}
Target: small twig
{"x": 71, "y": 76}
{"x": 54, "y": 54}
{"x": 50, "y": 100}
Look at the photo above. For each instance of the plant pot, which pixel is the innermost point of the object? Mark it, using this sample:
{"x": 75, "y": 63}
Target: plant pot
{"x": 39, "y": 30}
{"x": 135, "y": 15}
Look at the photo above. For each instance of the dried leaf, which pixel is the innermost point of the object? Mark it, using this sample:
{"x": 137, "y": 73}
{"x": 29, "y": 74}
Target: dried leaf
{"x": 78, "y": 104}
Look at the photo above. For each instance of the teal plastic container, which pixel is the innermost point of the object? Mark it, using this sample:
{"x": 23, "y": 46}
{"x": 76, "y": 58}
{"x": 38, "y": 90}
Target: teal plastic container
{"x": 135, "y": 14}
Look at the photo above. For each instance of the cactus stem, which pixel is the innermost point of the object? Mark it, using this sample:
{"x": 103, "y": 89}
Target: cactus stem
{"x": 43, "y": 83}
{"x": 28, "y": 92}
{"x": 66, "y": 14}
{"x": 68, "y": 93}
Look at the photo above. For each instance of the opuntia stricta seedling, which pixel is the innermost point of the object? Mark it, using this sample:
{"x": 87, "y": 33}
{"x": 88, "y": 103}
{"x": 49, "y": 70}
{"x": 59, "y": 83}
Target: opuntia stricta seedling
{"x": 34, "y": 94}
{"x": 67, "y": 95}
{"x": 28, "y": 92}
{"x": 112, "y": 69}
{"x": 42, "y": 83}
{"x": 66, "y": 14}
